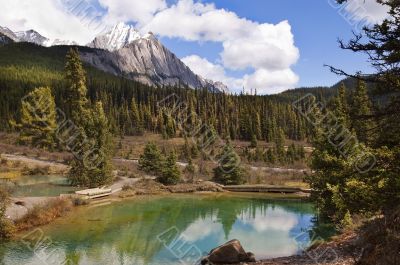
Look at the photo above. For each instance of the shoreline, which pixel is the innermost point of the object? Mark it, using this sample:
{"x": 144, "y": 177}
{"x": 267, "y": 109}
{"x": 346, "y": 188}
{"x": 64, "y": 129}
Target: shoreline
{"x": 21, "y": 206}
{"x": 303, "y": 259}
{"x": 339, "y": 250}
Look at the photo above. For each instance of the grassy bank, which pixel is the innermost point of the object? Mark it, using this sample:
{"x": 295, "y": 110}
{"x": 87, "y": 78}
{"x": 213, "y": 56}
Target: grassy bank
{"x": 44, "y": 214}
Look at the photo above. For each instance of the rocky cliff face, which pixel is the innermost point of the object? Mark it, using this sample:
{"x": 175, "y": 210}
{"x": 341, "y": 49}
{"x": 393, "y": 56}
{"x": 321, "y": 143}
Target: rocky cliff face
{"x": 124, "y": 51}
{"x": 143, "y": 58}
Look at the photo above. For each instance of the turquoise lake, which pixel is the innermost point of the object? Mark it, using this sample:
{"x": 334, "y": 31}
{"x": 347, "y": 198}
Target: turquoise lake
{"x": 41, "y": 186}
{"x": 172, "y": 230}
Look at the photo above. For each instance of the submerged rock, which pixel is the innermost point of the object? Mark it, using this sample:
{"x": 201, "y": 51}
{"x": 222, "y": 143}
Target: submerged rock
{"x": 231, "y": 252}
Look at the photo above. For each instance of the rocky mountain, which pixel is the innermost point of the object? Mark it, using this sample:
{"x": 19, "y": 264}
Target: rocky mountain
{"x": 124, "y": 51}
{"x": 4, "y": 39}
{"x": 116, "y": 38}
{"x": 32, "y": 36}
{"x": 7, "y": 36}
{"x": 57, "y": 42}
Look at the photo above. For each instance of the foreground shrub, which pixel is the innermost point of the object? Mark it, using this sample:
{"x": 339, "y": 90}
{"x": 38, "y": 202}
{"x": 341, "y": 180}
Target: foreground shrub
{"x": 151, "y": 160}
{"x": 170, "y": 173}
{"x": 44, "y": 214}
{"x": 6, "y": 226}
{"x": 229, "y": 172}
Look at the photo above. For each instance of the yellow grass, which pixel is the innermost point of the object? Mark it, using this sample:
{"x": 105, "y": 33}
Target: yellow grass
{"x": 10, "y": 175}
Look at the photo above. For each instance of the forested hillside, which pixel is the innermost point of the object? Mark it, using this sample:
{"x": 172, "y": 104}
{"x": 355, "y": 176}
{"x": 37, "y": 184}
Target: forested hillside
{"x": 132, "y": 107}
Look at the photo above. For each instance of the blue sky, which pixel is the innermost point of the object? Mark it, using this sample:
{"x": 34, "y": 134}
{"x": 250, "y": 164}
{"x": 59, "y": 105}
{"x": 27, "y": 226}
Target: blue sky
{"x": 316, "y": 26}
{"x": 268, "y": 45}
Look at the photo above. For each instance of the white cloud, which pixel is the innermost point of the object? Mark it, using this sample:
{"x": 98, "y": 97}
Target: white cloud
{"x": 267, "y": 49}
{"x": 131, "y": 10}
{"x": 267, "y": 46}
{"x": 202, "y": 228}
{"x": 265, "y": 81}
{"x": 272, "y": 219}
{"x": 197, "y": 21}
{"x": 209, "y": 70}
{"x": 49, "y": 17}
{"x": 270, "y": 82}
{"x": 367, "y": 10}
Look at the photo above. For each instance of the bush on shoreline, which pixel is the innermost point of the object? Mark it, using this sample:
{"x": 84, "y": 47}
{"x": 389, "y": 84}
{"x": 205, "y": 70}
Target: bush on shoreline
{"x": 44, "y": 214}
{"x": 7, "y": 228}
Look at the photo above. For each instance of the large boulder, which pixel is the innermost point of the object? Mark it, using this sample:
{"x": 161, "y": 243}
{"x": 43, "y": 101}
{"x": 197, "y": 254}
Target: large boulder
{"x": 231, "y": 252}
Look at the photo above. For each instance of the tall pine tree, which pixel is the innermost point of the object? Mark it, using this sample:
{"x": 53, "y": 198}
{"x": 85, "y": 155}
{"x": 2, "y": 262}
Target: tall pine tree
{"x": 38, "y": 119}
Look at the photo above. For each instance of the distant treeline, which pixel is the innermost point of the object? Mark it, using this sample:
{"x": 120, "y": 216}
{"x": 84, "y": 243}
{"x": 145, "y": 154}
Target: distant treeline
{"x": 131, "y": 107}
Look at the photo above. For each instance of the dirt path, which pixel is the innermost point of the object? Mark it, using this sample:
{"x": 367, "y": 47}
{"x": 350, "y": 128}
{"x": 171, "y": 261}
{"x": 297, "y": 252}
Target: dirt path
{"x": 35, "y": 161}
{"x": 124, "y": 181}
{"x": 20, "y": 206}
{"x": 184, "y": 164}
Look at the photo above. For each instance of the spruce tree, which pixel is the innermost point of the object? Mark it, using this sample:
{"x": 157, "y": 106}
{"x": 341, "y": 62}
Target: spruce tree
{"x": 151, "y": 160}
{"x": 229, "y": 171}
{"x": 361, "y": 113}
{"x": 170, "y": 174}
{"x": 76, "y": 92}
{"x": 257, "y": 126}
{"x": 329, "y": 180}
{"x": 91, "y": 165}
{"x": 342, "y": 104}
{"x": 136, "y": 119}
{"x": 271, "y": 156}
{"x": 99, "y": 168}
{"x": 253, "y": 143}
{"x": 280, "y": 145}
{"x": 38, "y": 119}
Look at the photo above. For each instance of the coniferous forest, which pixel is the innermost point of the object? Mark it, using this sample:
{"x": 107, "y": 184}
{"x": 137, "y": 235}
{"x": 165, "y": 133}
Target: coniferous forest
{"x": 346, "y": 137}
{"x": 131, "y": 107}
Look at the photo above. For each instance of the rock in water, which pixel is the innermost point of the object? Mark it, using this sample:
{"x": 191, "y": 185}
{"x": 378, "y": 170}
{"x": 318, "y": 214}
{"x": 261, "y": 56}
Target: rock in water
{"x": 231, "y": 252}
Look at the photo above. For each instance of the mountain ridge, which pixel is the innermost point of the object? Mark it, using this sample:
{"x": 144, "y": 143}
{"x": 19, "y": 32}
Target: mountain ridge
{"x": 124, "y": 51}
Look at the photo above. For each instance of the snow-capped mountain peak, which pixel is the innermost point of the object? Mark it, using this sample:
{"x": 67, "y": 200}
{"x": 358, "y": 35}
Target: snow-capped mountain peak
{"x": 119, "y": 36}
{"x": 7, "y": 33}
{"x": 124, "y": 51}
{"x": 32, "y": 36}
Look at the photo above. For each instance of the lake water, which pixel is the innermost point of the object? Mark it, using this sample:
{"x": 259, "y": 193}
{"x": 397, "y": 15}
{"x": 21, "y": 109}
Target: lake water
{"x": 41, "y": 186}
{"x": 165, "y": 230}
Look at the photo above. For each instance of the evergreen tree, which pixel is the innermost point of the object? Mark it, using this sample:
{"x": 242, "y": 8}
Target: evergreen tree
{"x": 170, "y": 174}
{"x": 361, "y": 113}
{"x": 271, "y": 156}
{"x": 169, "y": 130}
{"x": 91, "y": 165}
{"x": 76, "y": 93}
{"x": 280, "y": 145}
{"x": 38, "y": 119}
{"x": 300, "y": 152}
{"x": 190, "y": 168}
{"x": 343, "y": 105}
{"x": 229, "y": 172}
{"x": 257, "y": 126}
{"x": 194, "y": 150}
{"x": 99, "y": 166}
{"x": 186, "y": 152}
{"x": 271, "y": 130}
{"x": 253, "y": 143}
{"x": 151, "y": 160}
{"x": 329, "y": 179}
{"x": 136, "y": 120}
{"x": 291, "y": 153}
